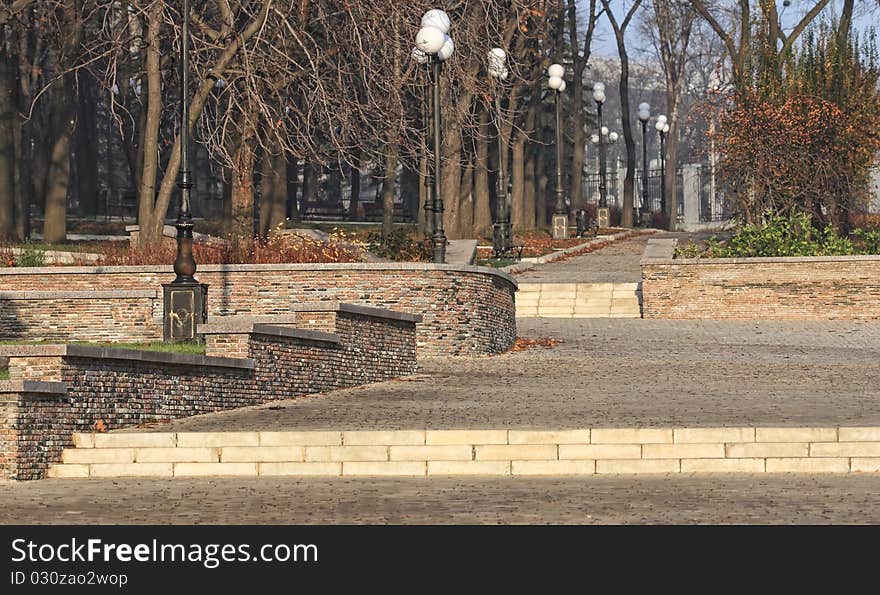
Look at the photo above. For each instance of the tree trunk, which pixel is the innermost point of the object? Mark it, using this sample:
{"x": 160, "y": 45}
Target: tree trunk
{"x": 451, "y": 178}
{"x": 310, "y": 187}
{"x": 541, "y": 189}
{"x": 482, "y": 208}
{"x": 529, "y": 190}
{"x": 626, "y": 216}
{"x": 63, "y": 112}
{"x": 523, "y": 216}
{"x": 243, "y": 188}
{"x": 409, "y": 191}
{"x": 519, "y": 217}
{"x": 671, "y": 158}
{"x": 388, "y": 183}
{"x": 273, "y": 193}
{"x": 149, "y": 145}
{"x": 466, "y": 201}
{"x": 7, "y": 144}
{"x": 86, "y": 145}
{"x": 354, "y": 199}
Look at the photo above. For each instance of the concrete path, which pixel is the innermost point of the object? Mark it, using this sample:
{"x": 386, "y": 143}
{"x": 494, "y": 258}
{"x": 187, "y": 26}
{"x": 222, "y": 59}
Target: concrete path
{"x": 617, "y": 263}
{"x": 810, "y": 499}
{"x": 613, "y": 373}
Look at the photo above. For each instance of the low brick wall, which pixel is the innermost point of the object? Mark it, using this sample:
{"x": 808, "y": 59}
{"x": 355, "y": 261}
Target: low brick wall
{"x": 56, "y": 390}
{"x": 106, "y": 315}
{"x": 808, "y": 288}
{"x": 466, "y": 310}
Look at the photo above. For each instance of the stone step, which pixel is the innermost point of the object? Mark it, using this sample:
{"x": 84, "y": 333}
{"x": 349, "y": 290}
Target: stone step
{"x": 578, "y": 300}
{"x": 472, "y": 452}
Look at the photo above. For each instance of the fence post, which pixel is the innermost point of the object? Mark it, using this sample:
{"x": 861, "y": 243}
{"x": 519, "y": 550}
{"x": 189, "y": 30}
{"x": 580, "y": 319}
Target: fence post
{"x": 691, "y": 190}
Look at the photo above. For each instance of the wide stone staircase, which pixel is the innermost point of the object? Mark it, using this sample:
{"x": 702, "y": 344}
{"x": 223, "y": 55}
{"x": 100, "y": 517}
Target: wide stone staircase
{"x": 586, "y": 451}
{"x": 578, "y": 300}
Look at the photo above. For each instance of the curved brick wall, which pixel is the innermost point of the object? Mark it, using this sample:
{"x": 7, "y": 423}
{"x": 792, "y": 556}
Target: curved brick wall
{"x": 466, "y": 310}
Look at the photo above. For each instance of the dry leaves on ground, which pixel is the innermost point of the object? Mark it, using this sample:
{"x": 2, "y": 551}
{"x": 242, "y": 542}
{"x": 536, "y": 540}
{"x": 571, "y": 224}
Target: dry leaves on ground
{"x": 521, "y": 344}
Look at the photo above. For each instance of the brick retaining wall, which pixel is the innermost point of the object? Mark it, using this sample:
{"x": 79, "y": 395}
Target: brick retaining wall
{"x": 806, "y": 288}
{"x": 466, "y": 310}
{"x": 56, "y": 390}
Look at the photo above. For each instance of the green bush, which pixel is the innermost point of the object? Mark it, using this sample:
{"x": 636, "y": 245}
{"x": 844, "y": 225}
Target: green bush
{"x": 399, "y": 246}
{"x": 783, "y": 235}
{"x": 689, "y": 250}
{"x": 30, "y": 256}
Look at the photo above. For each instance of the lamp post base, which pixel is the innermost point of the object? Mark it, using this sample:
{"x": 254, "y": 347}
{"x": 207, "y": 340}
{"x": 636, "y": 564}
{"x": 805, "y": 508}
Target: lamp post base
{"x": 185, "y": 308}
{"x": 603, "y": 215}
{"x": 560, "y": 227}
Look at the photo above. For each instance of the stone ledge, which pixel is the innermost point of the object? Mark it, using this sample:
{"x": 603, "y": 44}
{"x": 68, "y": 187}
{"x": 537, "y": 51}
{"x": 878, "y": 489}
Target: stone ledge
{"x": 33, "y": 387}
{"x": 86, "y": 351}
{"x": 295, "y": 333}
{"x": 78, "y": 295}
{"x": 659, "y": 249}
{"x": 356, "y": 309}
{"x": 222, "y": 325}
{"x": 872, "y": 258}
{"x": 166, "y": 270}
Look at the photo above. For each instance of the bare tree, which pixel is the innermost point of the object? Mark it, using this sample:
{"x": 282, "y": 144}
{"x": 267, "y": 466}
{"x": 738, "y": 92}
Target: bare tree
{"x": 671, "y": 23}
{"x": 580, "y": 59}
{"x": 737, "y": 35}
{"x": 619, "y": 35}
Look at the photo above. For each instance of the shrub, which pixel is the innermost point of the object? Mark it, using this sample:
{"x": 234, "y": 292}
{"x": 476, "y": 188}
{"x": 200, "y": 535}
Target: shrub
{"x": 783, "y": 235}
{"x": 689, "y": 250}
{"x": 277, "y": 249}
{"x": 29, "y": 256}
{"x": 400, "y": 246}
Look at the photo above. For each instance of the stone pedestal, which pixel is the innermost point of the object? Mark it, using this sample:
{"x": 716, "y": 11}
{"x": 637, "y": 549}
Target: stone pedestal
{"x": 185, "y": 308}
{"x": 560, "y": 227}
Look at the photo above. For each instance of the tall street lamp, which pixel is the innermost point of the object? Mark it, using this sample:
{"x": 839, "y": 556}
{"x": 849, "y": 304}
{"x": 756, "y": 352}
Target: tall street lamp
{"x": 433, "y": 40}
{"x": 644, "y": 116}
{"x": 556, "y": 82}
{"x": 603, "y": 214}
{"x": 185, "y": 299}
{"x": 662, "y": 127}
{"x": 501, "y": 232}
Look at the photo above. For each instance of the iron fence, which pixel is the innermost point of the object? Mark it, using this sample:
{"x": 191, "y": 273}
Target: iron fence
{"x": 715, "y": 204}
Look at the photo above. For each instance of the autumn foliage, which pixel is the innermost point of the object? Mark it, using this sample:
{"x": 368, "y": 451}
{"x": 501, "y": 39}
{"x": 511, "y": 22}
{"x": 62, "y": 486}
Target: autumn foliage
{"x": 806, "y": 142}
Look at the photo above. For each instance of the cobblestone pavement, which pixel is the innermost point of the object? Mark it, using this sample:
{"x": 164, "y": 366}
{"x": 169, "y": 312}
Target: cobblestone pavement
{"x": 617, "y": 263}
{"x": 614, "y": 373}
{"x": 622, "y": 499}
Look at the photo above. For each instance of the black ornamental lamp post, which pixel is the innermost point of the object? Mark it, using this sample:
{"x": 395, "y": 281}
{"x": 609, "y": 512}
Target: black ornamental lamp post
{"x": 501, "y": 230}
{"x": 556, "y": 82}
{"x": 603, "y": 214}
{"x": 644, "y": 116}
{"x": 662, "y": 127}
{"x": 602, "y": 140}
{"x": 185, "y": 299}
{"x": 434, "y": 46}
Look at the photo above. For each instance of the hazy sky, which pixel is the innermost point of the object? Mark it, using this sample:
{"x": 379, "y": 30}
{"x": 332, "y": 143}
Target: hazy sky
{"x": 867, "y": 14}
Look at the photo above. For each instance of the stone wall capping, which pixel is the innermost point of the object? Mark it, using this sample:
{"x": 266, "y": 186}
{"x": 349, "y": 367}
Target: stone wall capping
{"x": 79, "y": 295}
{"x": 295, "y": 333}
{"x": 166, "y": 270}
{"x": 331, "y": 306}
{"x": 33, "y": 387}
{"x": 222, "y": 325}
{"x": 88, "y": 351}
{"x": 761, "y": 260}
